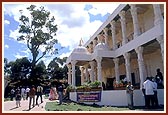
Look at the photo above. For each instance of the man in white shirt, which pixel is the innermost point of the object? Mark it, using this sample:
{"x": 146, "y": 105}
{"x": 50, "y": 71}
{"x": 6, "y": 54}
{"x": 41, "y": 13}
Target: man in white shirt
{"x": 27, "y": 92}
{"x": 23, "y": 93}
{"x": 149, "y": 93}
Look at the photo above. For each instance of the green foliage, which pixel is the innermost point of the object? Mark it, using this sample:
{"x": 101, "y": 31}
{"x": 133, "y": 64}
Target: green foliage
{"x": 88, "y": 86}
{"x": 95, "y": 84}
{"x": 38, "y": 31}
{"x": 70, "y": 88}
{"x": 57, "y": 69}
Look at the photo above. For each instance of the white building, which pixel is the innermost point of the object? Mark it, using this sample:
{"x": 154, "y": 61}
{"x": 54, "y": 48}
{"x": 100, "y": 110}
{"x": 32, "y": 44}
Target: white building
{"x": 130, "y": 43}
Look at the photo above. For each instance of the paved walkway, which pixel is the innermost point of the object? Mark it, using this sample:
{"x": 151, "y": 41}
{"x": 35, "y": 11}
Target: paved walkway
{"x": 11, "y": 106}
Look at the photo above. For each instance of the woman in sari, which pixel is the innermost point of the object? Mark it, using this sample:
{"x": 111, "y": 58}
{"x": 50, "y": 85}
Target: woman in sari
{"x": 53, "y": 94}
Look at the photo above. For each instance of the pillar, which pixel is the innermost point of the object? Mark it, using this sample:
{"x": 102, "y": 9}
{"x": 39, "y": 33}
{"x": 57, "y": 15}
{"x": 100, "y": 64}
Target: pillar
{"x": 158, "y": 15}
{"x": 94, "y": 43}
{"x": 113, "y": 31}
{"x": 105, "y": 30}
{"x": 82, "y": 75}
{"x": 86, "y": 73}
{"x": 69, "y": 74}
{"x": 135, "y": 20}
{"x": 141, "y": 65}
{"x": 92, "y": 71}
{"x": 116, "y": 61}
{"x": 73, "y": 73}
{"x": 99, "y": 68}
{"x": 128, "y": 67}
{"x": 123, "y": 27}
{"x": 160, "y": 39}
{"x": 90, "y": 48}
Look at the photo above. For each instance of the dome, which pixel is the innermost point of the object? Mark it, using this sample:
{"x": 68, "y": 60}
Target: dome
{"x": 101, "y": 46}
{"x": 81, "y": 50}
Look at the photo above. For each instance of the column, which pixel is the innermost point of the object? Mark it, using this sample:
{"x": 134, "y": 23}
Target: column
{"x": 82, "y": 75}
{"x": 135, "y": 20}
{"x": 94, "y": 43}
{"x": 128, "y": 67}
{"x": 90, "y": 48}
{"x": 142, "y": 70}
{"x": 99, "y": 68}
{"x": 73, "y": 73}
{"x": 160, "y": 39}
{"x": 158, "y": 15}
{"x": 100, "y": 38}
{"x": 123, "y": 27}
{"x": 86, "y": 73}
{"x": 116, "y": 61}
{"x": 69, "y": 74}
{"x": 92, "y": 71}
{"x": 113, "y": 31}
{"x": 105, "y": 30}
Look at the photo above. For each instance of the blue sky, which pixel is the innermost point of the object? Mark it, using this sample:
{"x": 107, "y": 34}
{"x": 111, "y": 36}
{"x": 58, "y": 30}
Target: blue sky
{"x": 75, "y": 21}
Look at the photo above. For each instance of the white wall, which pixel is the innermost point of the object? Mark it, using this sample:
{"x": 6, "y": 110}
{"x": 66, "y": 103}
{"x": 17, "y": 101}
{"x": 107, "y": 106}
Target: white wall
{"x": 119, "y": 98}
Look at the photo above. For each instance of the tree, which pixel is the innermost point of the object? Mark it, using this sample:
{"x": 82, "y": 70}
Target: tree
{"x": 20, "y": 68}
{"x": 57, "y": 69}
{"x": 6, "y": 67}
{"x": 38, "y": 31}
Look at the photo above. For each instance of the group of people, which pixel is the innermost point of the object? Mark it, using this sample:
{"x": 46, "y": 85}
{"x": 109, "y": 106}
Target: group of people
{"x": 56, "y": 92}
{"x": 35, "y": 91}
{"x": 150, "y": 93}
{"x": 19, "y": 94}
{"x": 24, "y": 93}
{"x": 149, "y": 90}
{"x": 150, "y": 86}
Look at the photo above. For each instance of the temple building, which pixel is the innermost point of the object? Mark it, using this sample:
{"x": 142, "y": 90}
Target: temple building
{"x": 128, "y": 46}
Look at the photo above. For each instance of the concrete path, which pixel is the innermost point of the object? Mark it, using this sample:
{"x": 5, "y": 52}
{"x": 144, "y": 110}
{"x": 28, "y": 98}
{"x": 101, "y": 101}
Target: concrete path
{"x": 9, "y": 106}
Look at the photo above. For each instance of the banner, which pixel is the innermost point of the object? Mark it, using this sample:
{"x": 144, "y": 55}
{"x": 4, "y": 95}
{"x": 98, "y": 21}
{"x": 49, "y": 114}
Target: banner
{"x": 89, "y": 96}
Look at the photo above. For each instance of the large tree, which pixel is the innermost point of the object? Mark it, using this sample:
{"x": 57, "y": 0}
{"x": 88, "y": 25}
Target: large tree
{"x": 38, "y": 31}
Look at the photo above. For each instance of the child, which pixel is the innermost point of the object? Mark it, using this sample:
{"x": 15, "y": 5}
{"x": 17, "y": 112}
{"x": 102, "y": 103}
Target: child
{"x": 18, "y": 98}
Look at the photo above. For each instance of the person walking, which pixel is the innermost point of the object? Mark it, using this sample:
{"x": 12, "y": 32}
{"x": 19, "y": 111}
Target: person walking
{"x": 27, "y": 92}
{"x": 129, "y": 91}
{"x": 60, "y": 91}
{"x": 18, "y": 99}
{"x": 23, "y": 93}
{"x": 39, "y": 94}
{"x": 32, "y": 93}
{"x": 12, "y": 94}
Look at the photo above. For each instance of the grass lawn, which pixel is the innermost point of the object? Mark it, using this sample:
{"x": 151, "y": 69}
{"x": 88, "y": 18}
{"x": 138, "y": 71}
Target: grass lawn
{"x": 71, "y": 106}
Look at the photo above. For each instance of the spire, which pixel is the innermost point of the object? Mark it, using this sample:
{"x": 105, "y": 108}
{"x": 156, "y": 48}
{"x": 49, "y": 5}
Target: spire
{"x": 81, "y": 42}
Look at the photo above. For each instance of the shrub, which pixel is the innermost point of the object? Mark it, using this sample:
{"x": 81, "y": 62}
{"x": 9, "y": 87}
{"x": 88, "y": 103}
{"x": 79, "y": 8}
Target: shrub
{"x": 95, "y": 84}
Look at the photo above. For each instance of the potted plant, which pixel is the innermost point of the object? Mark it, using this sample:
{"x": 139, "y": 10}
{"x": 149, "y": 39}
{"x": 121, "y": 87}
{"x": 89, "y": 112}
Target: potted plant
{"x": 95, "y": 86}
{"x": 70, "y": 88}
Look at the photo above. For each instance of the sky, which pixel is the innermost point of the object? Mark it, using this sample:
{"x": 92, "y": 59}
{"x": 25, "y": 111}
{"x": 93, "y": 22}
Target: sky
{"x": 74, "y": 20}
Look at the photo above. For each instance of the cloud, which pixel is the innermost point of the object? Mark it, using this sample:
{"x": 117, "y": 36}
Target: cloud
{"x": 18, "y": 55}
{"x": 26, "y": 52}
{"x": 72, "y": 20}
{"x": 64, "y": 55}
{"x": 7, "y": 22}
{"x": 103, "y": 8}
{"x": 14, "y": 34}
{"x": 6, "y": 46}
